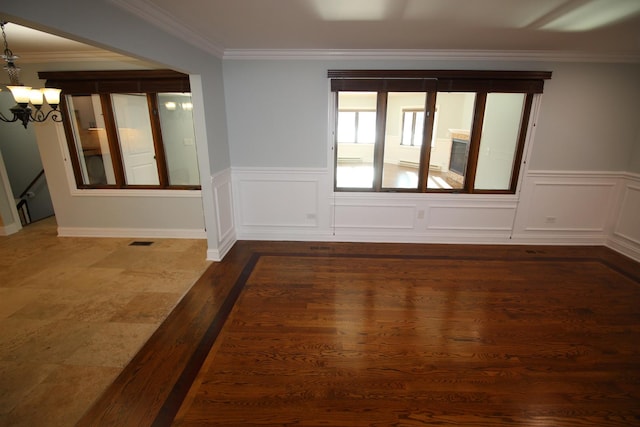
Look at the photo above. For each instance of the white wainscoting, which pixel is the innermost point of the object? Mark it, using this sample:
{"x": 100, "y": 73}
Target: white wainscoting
{"x": 626, "y": 231}
{"x": 557, "y": 208}
{"x": 299, "y": 204}
{"x": 423, "y": 218}
{"x": 567, "y": 207}
{"x": 225, "y": 223}
{"x": 281, "y": 204}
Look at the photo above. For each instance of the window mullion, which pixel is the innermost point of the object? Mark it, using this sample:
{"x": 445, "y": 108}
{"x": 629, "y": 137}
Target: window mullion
{"x": 474, "y": 143}
{"x": 378, "y": 151}
{"x": 112, "y": 139}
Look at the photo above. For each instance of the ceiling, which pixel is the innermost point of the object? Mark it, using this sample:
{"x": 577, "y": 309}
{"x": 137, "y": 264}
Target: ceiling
{"x": 598, "y": 27}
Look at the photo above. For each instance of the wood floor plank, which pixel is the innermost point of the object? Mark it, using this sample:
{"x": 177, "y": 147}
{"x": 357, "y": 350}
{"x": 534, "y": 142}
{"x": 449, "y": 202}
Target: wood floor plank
{"x": 339, "y": 341}
{"x": 385, "y": 334}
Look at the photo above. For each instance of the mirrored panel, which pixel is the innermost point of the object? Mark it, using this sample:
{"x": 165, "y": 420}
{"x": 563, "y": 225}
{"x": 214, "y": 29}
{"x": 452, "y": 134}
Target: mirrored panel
{"x": 403, "y": 139}
{"x": 355, "y": 139}
{"x": 131, "y": 113}
{"x": 499, "y": 140}
{"x": 451, "y": 140}
{"x": 90, "y": 138}
{"x": 176, "y": 122}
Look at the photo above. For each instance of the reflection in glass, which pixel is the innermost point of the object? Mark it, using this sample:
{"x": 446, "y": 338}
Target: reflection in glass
{"x": 403, "y": 139}
{"x": 451, "y": 139}
{"x": 90, "y": 137}
{"x": 176, "y": 122}
{"x": 355, "y": 137}
{"x": 136, "y": 139}
{"x": 500, "y": 133}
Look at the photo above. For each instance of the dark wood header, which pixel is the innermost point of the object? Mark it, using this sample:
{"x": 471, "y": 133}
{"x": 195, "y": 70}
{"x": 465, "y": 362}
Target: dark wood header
{"x": 87, "y": 82}
{"x": 441, "y": 80}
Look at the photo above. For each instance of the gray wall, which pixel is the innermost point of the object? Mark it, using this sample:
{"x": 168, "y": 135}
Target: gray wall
{"x": 589, "y": 118}
{"x": 278, "y": 112}
{"x": 22, "y": 161}
{"x": 634, "y": 159}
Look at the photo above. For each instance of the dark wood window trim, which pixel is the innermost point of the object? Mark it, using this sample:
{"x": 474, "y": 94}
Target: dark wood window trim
{"x": 105, "y": 83}
{"x": 480, "y": 82}
{"x": 139, "y": 81}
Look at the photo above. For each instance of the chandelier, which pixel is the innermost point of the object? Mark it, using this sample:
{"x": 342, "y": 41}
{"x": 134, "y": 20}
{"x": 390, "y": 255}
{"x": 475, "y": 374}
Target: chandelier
{"x": 25, "y": 95}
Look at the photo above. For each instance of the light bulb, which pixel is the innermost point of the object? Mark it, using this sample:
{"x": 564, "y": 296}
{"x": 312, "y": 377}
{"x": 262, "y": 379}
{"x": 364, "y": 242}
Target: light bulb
{"x": 21, "y": 94}
{"x": 35, "y": 96}
{"x": 52, "y": 96}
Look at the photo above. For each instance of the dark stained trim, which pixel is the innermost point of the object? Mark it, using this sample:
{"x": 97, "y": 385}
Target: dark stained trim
{"x": 179, "y": 391}
{"x": 87, "y": 82}
{"x": 438, "y": 80}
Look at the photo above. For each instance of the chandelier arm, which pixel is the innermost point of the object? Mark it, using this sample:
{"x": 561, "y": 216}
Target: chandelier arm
{"x": 6, "y": 120}
{"x": 39, "y": 116}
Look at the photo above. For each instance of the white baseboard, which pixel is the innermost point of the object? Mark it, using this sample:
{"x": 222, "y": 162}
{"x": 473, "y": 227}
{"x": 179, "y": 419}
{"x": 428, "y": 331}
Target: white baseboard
{"x": 6, "y": 230}
{"x": 224, "y": 247}
{"x": 625, "y": 247}
{"x": 132, "y": 233}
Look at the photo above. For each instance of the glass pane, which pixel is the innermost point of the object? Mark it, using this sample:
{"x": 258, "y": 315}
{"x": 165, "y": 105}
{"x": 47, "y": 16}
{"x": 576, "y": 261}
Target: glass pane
{"x": 354, "y": 166}
{"x": 176, "y": 122}
{"x": 366, "y": 126}
{"x": 131, "y": 113}
{"x": 407, "y": 128}
{"x": 450, "y": 143}
{"x": 500, "y": 131}
{"x": 402, "y": 162}
{"x": 347, "y": 126}
{"x": 92, "y": 146}
{"x": 419, "y": 128}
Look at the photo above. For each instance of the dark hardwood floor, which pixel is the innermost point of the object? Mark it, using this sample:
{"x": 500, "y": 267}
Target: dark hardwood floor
{"x": 291, "y": 333}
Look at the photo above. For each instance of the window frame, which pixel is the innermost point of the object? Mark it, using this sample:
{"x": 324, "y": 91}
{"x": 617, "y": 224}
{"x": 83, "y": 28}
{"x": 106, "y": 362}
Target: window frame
{"x": 480, "y": 82}
{"x": 104, "y": 84}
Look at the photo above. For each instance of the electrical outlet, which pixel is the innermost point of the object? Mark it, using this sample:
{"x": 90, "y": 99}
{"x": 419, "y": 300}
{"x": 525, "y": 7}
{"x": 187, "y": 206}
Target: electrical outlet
{"x": 550, "y": 220}
{"x": 420, "y": 213}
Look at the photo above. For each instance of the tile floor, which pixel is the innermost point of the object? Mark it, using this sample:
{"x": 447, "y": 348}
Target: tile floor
{"x": 74, "y": 311}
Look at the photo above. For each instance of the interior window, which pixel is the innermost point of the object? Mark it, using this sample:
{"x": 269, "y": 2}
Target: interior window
{"x": 475, "y": 121}
{"x": 129, "y": 129}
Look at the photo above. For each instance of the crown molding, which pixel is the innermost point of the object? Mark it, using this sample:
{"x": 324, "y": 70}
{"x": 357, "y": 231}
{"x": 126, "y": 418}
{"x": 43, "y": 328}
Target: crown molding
{"x": 418, "y": 54}
{"x": 77, "y": 56}
{"x": 159, "y": 17}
